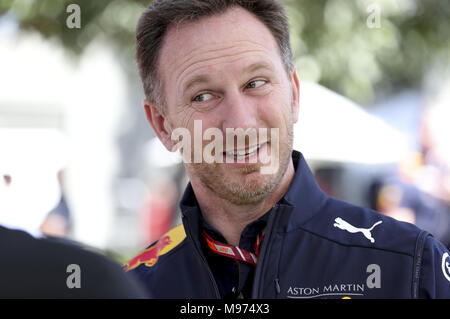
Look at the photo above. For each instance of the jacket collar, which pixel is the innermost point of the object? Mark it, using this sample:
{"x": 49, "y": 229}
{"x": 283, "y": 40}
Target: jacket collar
{"x": 303, "y": 194}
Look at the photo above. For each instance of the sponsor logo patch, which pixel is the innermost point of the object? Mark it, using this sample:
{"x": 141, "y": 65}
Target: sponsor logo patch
{"x": 166, "y": 243}
{"x": 367, "y": 232}
{"x": 340, "y": 290}
{"x": 446, "y": 266}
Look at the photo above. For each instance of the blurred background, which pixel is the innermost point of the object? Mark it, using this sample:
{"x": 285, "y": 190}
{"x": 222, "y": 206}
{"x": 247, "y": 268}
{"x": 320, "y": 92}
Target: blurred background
{"x": 78, "y": 160}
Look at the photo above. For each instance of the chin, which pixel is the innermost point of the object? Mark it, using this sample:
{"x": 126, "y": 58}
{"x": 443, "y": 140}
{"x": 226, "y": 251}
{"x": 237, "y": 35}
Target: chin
{"x": 248, "y": 190}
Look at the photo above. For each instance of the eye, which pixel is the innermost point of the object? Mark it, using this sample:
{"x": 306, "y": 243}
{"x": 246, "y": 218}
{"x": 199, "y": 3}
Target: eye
{"x": 256, "y": 84}
{"x": 202, "y": 97}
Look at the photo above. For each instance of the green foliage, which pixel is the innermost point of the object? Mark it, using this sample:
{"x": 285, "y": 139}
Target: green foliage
{"x": 335, "y": 46}
{"x": 332, "y": 41}
{"x": 114, "y": 20}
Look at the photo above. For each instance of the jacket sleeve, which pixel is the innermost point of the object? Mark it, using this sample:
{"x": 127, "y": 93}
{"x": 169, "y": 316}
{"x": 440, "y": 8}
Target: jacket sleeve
{"x": 435, "y": 271}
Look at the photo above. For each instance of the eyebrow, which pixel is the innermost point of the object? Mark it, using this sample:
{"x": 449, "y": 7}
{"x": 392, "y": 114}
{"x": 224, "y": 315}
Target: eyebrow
{"x": 203, "y": 78}
{"x": 256, "y": 66}
{"x": 196, "y": 80}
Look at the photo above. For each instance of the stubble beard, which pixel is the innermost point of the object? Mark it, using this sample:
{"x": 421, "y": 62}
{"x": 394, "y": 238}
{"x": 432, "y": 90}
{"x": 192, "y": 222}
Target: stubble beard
{"x": 247, "y": 189}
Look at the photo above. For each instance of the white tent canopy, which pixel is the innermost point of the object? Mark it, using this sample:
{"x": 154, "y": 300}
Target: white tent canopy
{"x": 332, "y": 128}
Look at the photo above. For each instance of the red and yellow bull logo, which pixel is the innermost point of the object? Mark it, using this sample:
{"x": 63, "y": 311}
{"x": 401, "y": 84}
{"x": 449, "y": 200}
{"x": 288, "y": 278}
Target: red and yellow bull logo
{"x": 150, "y": 256}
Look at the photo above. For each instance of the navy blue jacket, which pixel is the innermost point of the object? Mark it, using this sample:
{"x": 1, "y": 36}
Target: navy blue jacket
{"x": 314, "y": 247}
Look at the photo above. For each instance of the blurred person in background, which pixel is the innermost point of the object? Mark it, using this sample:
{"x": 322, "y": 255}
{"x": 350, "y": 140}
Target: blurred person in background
{"x": 245, "y": 234}
{"x": 165, "y": 183}
{"x": 57, "y": 223}
{"x": 420, "y": 193}
{"x": 34, "y": 160}
{"x": 35, "y": 262}
{"x": 157, "y": 213}
{"x": 45, "y": 268}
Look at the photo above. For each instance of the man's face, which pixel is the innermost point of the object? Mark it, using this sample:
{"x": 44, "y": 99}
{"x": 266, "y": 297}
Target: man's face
{"x": 227, "y": 72}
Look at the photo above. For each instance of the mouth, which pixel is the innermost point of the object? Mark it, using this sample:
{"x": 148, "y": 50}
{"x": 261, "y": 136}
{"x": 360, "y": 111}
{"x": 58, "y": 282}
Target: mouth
{"x": 245, "y": 155}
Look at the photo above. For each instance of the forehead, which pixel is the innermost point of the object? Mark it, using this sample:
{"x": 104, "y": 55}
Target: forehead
{"x": 230, "y": 35}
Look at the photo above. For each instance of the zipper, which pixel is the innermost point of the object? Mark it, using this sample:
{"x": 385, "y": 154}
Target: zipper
{"x": 418, "y": 263}
{"x": 277, "y": 285}
{"x": 279, "y": 212}
{"x": 264, "y": 250}
{"x": 204, "y": 262}
{"x": 210, "y": 274}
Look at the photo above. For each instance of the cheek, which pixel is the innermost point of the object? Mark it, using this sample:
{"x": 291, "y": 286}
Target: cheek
{"x": 275, "y": 111}
{"x": 182, "y": 117}
{"x": 197, "y": 123}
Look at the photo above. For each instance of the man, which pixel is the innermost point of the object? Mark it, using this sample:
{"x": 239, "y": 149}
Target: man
{"x": 248, "y": 233}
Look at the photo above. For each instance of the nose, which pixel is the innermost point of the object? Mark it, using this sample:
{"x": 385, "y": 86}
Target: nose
{"x": 239, "y": 111}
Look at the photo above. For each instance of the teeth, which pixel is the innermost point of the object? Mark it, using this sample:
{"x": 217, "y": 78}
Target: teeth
{"x": 243, "y": 153}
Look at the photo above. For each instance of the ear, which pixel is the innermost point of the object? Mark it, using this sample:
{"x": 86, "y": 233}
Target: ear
{"x": 159, "y": 123}
{"x": 295, "y": 86}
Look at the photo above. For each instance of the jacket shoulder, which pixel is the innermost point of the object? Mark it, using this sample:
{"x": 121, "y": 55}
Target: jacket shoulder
{"x": 163, "y": 246}
{"x": 351, "y": 225}
{"x": 435, "y": 270}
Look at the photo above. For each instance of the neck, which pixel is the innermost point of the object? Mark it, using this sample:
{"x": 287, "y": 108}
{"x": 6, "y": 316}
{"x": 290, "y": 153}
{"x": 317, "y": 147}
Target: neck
{"x": 231, "y": 219}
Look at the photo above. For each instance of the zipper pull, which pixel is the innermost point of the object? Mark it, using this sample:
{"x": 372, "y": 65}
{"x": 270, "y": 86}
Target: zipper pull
{"x": 277, "y": 285}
